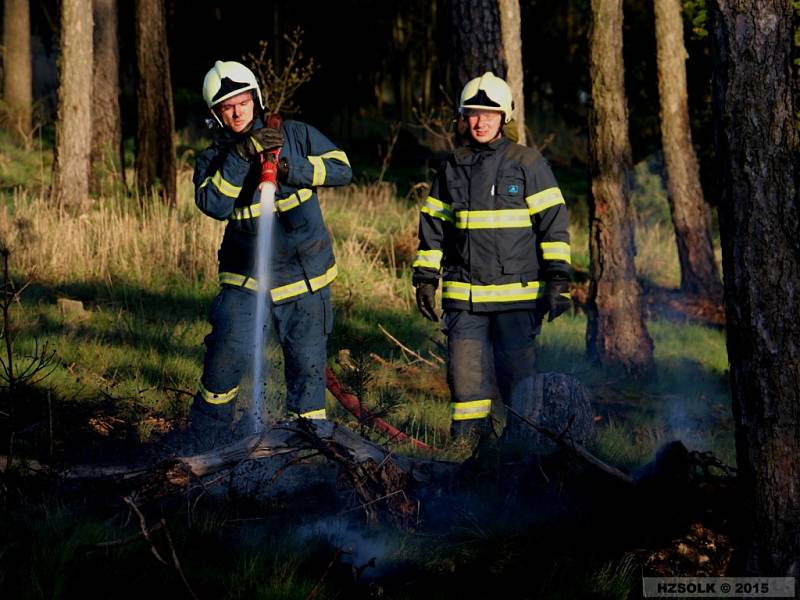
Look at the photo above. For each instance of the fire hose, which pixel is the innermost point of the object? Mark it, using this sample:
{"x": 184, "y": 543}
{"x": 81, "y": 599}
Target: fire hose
{"x": 353, "y": 406}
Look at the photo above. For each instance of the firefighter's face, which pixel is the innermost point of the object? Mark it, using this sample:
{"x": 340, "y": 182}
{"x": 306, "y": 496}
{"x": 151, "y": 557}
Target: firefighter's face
{"x": 483, "y": 125}
{"x": 236, "y": 112}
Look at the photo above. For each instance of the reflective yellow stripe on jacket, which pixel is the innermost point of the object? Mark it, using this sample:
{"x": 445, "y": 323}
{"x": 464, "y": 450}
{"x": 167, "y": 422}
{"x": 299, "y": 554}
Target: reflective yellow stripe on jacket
{"x": 318, "y": 163}
{"x": 253, "y": 211}
{"x": 507, "y": 292}
{"x": 283, "y": 292}
{"x": 493, "y": 219}
{"x": 224, "y": 186}
{"x": 556, "y": 251}
{"x": 545, "y": 199}
{"x": 437, "y": 209}
{"x": 428, "y": 258}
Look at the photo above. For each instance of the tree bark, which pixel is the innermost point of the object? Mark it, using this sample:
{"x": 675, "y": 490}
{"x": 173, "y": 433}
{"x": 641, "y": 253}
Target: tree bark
{"x": 757, "y": 145}
{"x": 17, "y": 82}
{"x": 616, "y": 334}
{"x": 510, "y": 26}
{"x": 155, "y": 141}
{"x": 73, "y": 122}
{"x": 477, "y": 41}
{"x": 690, "y": 214}
{"x": 106, "y": 118}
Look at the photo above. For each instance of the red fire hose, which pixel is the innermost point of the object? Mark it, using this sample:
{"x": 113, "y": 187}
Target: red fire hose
{"x": 353, "y": 406}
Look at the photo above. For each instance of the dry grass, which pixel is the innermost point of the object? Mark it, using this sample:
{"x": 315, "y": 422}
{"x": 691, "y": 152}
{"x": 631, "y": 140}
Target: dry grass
{"x": 374, "y": 240}
{"x": 143, "y": 240}
{"x": 116, "y": 240}
{"x": 657, "y": 255}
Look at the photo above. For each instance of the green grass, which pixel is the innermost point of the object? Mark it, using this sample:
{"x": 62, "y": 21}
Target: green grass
{"x": 21, "y": 168}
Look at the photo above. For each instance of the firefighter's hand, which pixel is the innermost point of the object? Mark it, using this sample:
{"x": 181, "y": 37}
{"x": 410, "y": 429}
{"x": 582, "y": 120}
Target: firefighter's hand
{"x": 260, "y": 140}
{"x": 426, "y": 300}
{"x": 267, "y": 138}
{"x": 556, "y": 296}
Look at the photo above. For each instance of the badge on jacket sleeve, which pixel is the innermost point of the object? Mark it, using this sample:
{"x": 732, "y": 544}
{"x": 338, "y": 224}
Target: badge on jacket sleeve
{"x": 512, "y": 188}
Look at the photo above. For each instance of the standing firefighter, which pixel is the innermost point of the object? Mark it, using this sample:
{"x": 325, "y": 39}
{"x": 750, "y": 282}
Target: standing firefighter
{"x": 495, "y": 228}
{"x": 226, "y": 180}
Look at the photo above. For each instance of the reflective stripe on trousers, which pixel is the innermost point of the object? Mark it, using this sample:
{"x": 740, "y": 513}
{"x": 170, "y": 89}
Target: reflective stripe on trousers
{"x": 302, "y": 329}
{"x": 487, "y": 350}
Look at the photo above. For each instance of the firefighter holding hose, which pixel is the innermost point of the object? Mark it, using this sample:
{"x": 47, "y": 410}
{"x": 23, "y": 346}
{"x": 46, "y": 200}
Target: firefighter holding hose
{"x": 226, "y": 180}
{"x": 494, "y": 230}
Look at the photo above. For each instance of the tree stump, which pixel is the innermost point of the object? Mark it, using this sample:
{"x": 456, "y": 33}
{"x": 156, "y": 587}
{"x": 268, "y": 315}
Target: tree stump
{"x": 559, "y": 403}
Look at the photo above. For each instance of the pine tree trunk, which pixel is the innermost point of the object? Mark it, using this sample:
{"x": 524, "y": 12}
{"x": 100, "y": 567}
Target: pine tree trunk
{"x": 477, "y": 41}
{"x": 690, "y": 213}
{"x": 616, "y": 333}
{"x": 403, "y": 66}
{"x": 757, "y": 146}
{"x": 106, "y": 119}
{"x": 510, "y": 22}
{"x": 155, "y": 141}
{"x": 17, "y": 83}
{"x": 73, "y": 123}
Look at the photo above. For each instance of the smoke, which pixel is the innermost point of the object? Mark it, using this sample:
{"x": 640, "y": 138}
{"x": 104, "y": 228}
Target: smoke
{"x": 696, "y": 411}
{"x": 359, "y": 545}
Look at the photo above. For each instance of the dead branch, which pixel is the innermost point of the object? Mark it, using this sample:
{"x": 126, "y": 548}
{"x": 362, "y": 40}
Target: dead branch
{"x": 144, "y": 528}
{"x": 436, "y": 357}
{"x": 359, "y": 571}
{"x": 371, "y": 502}
{"x": 175, "y": 562}
{"x": 377, "y": 359}
{"x": 312, "y": 592}
{"x": 283, "y": 438}
{"x": 573, "y": 447}
{"x": 127, "y": 540}
{"x": 394, "y": 133}
{"x": 371, "y": 479}
{"x": 405, "y": 348}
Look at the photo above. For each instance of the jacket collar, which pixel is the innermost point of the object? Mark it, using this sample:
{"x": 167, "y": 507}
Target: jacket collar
{"x": 226, "y": 136}
{"x": 465, "y": 155}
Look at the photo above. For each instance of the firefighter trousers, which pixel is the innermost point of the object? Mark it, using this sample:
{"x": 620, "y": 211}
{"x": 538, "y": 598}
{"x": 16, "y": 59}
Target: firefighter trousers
{"x": 302, "y": 328}
{"x": 489, "y": 354}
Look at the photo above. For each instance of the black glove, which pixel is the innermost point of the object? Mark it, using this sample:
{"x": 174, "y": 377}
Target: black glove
{"x": 426, "y": 300}
{"x": 268, "y": 138}
{"x": 260, "y": 140}
{"x": 556, "y": 303}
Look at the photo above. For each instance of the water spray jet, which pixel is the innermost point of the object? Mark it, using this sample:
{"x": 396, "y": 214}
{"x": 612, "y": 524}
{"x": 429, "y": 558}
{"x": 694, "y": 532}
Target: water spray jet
{"x": 267, "y": 186}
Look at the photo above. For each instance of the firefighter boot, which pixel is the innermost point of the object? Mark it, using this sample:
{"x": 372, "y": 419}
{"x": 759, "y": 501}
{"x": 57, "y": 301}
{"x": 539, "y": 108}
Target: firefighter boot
{"x": 469, "y": 428}
{"x": 209, "y": 427}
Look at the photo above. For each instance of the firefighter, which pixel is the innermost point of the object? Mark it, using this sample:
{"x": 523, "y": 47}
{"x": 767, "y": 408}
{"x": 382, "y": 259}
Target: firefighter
{"x": 226, "y": 179}
{"x": 494, "y": 229}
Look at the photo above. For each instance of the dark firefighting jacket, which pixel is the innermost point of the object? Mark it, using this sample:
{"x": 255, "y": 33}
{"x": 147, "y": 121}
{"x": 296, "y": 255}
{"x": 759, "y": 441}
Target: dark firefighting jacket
{"x": 226, "y": 187}
{"x": 494, "y": 228}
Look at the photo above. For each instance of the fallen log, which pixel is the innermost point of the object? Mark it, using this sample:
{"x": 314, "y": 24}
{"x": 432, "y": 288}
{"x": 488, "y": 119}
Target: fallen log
{"x": 373, "y": 471}
{"x": 557, "y": 415}
{"x": 558, "y": 398}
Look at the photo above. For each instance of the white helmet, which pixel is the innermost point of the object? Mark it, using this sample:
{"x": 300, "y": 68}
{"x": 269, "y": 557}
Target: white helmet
{"x": 488, "y": 92}
{"x": 227, "y": 79}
